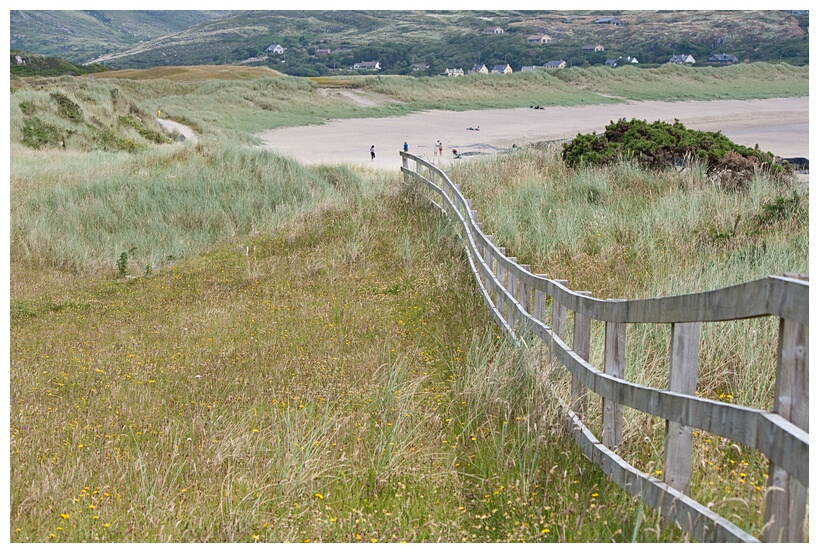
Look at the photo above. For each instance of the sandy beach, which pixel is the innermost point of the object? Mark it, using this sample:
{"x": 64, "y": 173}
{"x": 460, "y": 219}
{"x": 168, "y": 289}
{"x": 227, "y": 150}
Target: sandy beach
{"x": 778, "y": 125}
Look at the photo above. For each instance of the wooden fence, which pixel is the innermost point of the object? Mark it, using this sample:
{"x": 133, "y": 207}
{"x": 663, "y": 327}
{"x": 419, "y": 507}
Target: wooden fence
{"x": 517, "y": 300}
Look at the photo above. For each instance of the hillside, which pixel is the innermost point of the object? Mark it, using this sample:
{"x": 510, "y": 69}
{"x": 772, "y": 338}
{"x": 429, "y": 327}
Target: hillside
{"x": 25, "y": 64}
{"x": 77, "y": 36}
{"x": 192, "y": 73}
{"x": 325, "y": 42}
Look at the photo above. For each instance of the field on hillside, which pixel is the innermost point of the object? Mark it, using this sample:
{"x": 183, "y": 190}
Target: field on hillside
{"x": 191, "y": 73}
{"x": 212, "y": 343}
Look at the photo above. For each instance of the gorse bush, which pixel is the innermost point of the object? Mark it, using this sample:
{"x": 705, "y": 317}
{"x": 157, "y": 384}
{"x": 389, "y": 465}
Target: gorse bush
{"x": 661, "y": 145}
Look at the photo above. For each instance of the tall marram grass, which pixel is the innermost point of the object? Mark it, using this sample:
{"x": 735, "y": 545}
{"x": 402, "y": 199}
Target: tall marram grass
{"x": 627, "y": 232}
{"x": 81, "y": 211}
{"x": 322, "y": 379}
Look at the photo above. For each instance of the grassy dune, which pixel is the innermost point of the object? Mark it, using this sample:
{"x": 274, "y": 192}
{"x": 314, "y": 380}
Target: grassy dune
{"x": 627, "y": 232}
{"x": 238, "y": 107}
{"x": 288, "y": 353}
{"x": 331, "y": 379}
{"x": 188, "y": 73}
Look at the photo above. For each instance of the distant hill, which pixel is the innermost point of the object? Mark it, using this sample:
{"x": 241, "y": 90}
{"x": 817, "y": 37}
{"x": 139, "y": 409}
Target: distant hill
{"x": 320, "y": 42}
{"x": 26, "y": 64}
{"x": 78, "y": 36}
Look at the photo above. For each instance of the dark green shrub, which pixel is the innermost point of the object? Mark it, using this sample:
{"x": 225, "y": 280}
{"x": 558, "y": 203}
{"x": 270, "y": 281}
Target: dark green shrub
{"x": 37, "y": 134}
{"x": 146, "y": 133}
{"x": 66, "y": 108}
{"x": 780, "y": 209}
{"x": 109, "y": 140}
{"x": 661, "y": 145}
{"x": 28, "y": 108}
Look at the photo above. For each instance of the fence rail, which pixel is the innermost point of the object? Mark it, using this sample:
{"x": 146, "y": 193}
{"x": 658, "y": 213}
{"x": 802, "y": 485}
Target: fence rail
{"x": 517, "y": 298}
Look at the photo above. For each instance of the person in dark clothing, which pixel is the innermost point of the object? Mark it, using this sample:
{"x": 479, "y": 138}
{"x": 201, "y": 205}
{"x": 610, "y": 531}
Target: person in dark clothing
{"x": 372, "y": 152}
{"x": 406, "y": 147}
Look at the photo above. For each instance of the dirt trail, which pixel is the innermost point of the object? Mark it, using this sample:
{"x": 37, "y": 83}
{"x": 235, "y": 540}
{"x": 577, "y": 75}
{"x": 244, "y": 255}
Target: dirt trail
{"x": 183, "y": 130}
{"x": 778, "y": 125}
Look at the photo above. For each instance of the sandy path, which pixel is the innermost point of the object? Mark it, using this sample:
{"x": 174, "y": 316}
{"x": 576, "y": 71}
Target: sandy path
{"x": 778, "y": 125}
{"x": 171, "y": 126}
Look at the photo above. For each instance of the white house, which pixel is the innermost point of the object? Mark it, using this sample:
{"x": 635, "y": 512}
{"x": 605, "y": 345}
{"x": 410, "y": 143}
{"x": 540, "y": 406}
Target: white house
{"x": 370, "y": 65}
{"x": 454, "y": 72}
{"x": 555, "y": 64}
{"x": 538, "y": 39}
{"x": 681, "y": 59}
{"x": 493, "y": 31}
{"x": 275, "y": 49}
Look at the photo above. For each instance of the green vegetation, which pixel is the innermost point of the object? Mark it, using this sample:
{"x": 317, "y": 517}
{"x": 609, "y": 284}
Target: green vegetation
{"x": 624, "y": 231}
{"x": 47, "y": 66}
{"x": 239, "y": 108}
{"x": 324, "y": 378}
{"x": 80, "y": 114}
{"x": 212, "y": 343}
{"x": 661, "y": 145}
{"x": 440, "y": 38}
{"x": 95, "y": 32}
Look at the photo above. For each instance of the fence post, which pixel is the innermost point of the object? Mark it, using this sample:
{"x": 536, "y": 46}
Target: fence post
{"x": 540, "y": 303}
{"x": 615, "y": 362}
{"x": 525, "y": 294}
{"x": 490, "y": 262}
{"x": 785, "y": 504}
{"x": 512, "y": 287}
{"x": 502, "y": 281}
{"x": 682, "y": 377}
{"x": 558, "y": 319}
{"x": 405, "y": 166}
{"x": 582, "y": 347}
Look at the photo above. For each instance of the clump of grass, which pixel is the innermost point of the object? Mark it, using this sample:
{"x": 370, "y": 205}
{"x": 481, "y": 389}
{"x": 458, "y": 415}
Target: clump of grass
{"x": 628, "y": 232}
{"x": 168, "y": 204}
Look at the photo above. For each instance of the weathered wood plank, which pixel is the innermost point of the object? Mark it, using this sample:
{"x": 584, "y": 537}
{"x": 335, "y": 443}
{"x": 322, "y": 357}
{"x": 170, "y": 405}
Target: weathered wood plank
{"x": 540, "y": 304}
{"x": 615, "y": 364}
{"x": 785, "y": 505}
{"x": 776, "y": 438}
{"x": 682, "y": 376}
{"x": 699, "y": 521}
{"x": 581, "y": 346}
{"x": 512, "y": 288}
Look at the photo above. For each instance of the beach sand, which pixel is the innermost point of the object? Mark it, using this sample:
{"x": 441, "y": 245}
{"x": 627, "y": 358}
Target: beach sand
{"x": 778, "y": 125}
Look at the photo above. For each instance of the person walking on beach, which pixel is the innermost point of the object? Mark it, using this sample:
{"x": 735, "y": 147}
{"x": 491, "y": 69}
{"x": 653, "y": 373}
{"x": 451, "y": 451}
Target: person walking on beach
{"x": 440, "y": 149}
{"x": 372, "y": 152}
{"x": 435, "y": 150}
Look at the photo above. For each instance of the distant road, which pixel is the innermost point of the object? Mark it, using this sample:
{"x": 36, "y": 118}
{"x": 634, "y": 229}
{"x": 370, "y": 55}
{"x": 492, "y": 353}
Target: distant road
{"x": 778, "y": 125}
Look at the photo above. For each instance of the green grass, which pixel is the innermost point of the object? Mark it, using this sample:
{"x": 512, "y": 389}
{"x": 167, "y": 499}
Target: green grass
{"x": 627, "y": 232}
{"x": 298, "y": 353}
{"x": 165, "y": 205}
{"x": 323, "y": 380}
